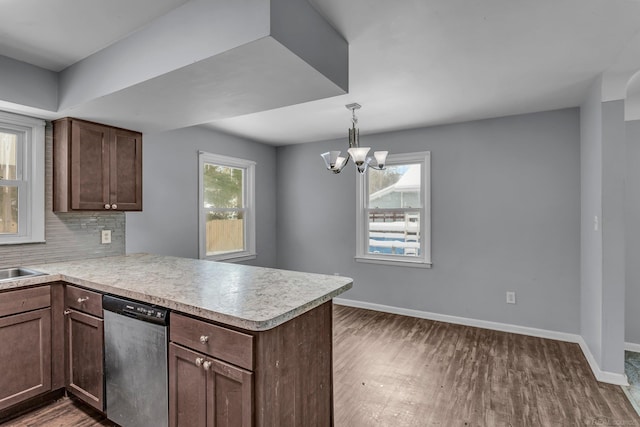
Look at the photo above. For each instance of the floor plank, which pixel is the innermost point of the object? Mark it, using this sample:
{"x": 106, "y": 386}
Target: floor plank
{"x": 400, "y": 371}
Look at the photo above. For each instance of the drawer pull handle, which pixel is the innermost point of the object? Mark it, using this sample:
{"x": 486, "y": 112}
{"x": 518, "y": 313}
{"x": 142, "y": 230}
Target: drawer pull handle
{"x": 206, "y": 365}
{"x": 199, "y": 361}
{"x": 107, "y": 206}
{"x": 204, "y": 339}
{"x": 114, "y": 206}
{"x": 66, "y": 312}
{"x": 82, "y": 299}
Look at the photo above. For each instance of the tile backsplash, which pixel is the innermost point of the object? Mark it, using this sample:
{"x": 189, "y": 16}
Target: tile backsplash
{"x": 68, "y": 236}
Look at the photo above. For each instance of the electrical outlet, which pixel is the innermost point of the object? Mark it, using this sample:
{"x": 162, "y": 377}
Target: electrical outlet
{"x": 106, "y": 237}
{"x": 511, "y": 297}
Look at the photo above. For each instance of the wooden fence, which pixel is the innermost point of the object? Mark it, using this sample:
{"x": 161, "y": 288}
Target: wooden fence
{"x": 225, "y": 235}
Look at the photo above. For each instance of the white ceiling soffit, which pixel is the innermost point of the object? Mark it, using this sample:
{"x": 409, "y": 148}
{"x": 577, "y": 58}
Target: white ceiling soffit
{"x": 203, "y": 61}
{"x": 257, "y": 76}
{"x": 56, "y": 34}
{"x": 233, "y": 58}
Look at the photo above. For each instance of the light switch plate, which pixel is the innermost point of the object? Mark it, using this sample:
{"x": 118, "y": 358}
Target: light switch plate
{"x": 106, "y": 237}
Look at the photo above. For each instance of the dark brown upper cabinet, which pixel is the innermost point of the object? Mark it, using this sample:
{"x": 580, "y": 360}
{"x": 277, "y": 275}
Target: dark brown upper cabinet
{"x": 96, "y": 167}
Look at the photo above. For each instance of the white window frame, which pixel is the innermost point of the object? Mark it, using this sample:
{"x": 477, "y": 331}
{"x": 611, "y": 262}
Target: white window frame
{"x": 249, "y": 207}
{"x": 362, "y": 218}
{"x": 30, "y": 181}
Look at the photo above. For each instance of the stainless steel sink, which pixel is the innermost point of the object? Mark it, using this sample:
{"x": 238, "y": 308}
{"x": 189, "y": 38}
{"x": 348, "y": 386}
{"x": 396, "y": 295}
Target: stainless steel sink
{"x": 13, "y": 273}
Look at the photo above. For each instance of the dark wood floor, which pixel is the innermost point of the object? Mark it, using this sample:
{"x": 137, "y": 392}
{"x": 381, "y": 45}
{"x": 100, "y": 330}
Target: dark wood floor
{"x": 63, "y": 413}
{"x": 400, "y": 371}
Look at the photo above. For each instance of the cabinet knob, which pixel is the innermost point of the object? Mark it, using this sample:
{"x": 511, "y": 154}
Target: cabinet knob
{"x": 82, "y": 299}
{"x": 66, "y": 312}
{"x": 206, "y": 365}
{"x": 199, "y": 361}
{"x": 114, "y": 206}
{"x": 204, "y": 339}
{"x": 107, "y": 206}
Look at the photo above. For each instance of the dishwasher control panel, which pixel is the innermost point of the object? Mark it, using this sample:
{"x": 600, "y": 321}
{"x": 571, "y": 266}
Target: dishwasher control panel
{"x": 135, "y": 309}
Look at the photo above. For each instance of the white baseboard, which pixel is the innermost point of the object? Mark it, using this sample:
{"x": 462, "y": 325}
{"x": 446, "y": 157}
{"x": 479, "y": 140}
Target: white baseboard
{"x": 496, "y": 326}
{"x": 629, "y": 346}
{"x": 602, "y": 376}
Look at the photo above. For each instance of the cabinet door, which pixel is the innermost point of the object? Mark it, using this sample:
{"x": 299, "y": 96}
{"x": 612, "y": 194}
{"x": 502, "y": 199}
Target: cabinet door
{"x": 89, "y": 166}
{"x": 187, "y": 388}
{"x": 126, "y": 170}
{"x": 229, "y": 394}
{"x": 84, "y": 357}
{"x": 25, "y": 356}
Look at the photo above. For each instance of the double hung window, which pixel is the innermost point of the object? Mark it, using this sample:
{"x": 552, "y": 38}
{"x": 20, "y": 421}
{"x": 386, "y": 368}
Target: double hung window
{"x": 227, "y": 208}
{"x": 21, "y": 179}
{"x": 394, "y": 216}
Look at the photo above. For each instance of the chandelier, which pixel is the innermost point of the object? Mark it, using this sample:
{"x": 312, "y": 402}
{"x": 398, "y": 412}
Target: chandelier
{"x": 335, "y": 161}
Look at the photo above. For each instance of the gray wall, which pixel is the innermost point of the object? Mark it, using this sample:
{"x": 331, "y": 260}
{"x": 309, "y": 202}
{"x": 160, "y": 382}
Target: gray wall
{"x": 68, "y": 236}
{"x": 613, "y": 236}
{"x": 632, "y": 233}
{"x": 168, "y": 224}
{"x": 603, "y": 251}
{"x": 591, "y": 205}
{"x": 506, "y": 204}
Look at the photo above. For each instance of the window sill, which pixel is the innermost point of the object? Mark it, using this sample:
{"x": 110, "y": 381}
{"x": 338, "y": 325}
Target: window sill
{"x": 245, "y": 256}
{"x": 397, "y": 263}
{"x": 20, "y": 241}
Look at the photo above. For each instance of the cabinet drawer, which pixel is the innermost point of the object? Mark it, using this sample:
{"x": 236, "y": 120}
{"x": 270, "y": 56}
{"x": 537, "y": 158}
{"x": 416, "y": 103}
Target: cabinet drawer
{"x": 24, "y": 300}
{"x": 215, "y": 341}
{"x": 83, "y": 300}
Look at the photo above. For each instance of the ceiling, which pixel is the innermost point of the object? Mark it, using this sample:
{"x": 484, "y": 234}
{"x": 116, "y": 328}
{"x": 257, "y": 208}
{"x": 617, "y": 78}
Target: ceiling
{"x": 412, "y": 63}
{"x": 56, "y": 34}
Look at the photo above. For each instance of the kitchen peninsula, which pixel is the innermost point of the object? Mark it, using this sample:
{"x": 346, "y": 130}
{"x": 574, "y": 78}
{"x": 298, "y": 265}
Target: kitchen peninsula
{"x": 264, "y": 336}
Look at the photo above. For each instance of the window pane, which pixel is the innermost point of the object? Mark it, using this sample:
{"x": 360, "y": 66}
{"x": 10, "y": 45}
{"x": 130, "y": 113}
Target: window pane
{"x": 398, "y": 186}
{"x": 8, "y": 210}
{"x": 223, "y": 186}
{"x": 225, "y": 232}
{"x": 8, "y": 155}
{"x": 394, "y": 233}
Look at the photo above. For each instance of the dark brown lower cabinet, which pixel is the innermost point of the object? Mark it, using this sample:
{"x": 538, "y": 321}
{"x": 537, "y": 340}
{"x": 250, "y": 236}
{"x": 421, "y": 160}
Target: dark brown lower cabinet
{"x": 25, "y": 356}
{"x": 219, "y": 376}
{"x": 206, "y": 392}
{"x": 84, "y": 357}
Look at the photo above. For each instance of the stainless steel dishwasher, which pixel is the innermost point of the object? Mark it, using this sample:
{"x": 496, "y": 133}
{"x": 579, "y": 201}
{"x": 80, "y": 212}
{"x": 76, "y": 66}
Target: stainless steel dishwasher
{"x": 136, "y": 377}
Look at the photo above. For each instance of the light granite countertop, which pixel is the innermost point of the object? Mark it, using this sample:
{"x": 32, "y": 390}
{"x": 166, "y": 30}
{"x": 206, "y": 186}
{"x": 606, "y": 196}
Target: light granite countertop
{"x": 251, "y": 298}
